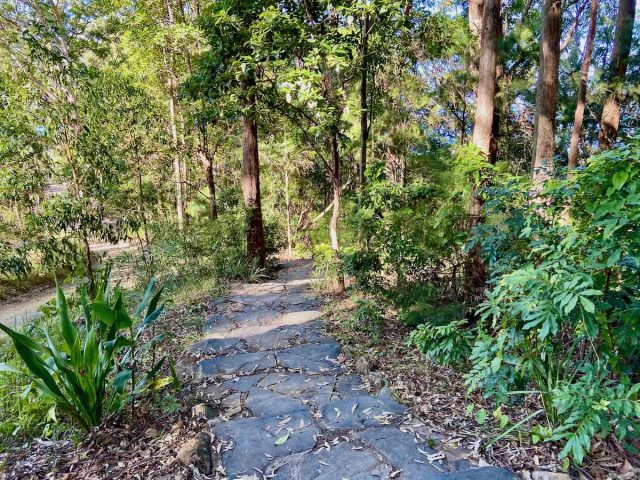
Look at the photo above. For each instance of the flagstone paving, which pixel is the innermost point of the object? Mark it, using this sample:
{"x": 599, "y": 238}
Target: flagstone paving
{"x": 285, "y": 408}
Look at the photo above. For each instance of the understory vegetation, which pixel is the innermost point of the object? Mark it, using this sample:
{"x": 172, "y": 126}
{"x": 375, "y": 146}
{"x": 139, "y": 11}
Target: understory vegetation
{"x": 467, "y": 169}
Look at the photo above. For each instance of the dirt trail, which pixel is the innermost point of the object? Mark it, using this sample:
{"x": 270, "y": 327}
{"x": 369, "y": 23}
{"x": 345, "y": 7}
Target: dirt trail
{"x": 25, "y": 307}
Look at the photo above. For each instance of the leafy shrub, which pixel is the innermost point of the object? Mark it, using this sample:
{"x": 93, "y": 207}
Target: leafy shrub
{"x": 203, "y": 250}
{"x": 87, "y": 374}
{"x": 562, "y": 313}
{"x": 368, "y": 317}
{"x": 448, "y": 343}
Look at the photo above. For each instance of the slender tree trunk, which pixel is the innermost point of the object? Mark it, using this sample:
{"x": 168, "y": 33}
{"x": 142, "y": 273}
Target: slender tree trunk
{"x": 364, "y": 124}
{"x": 484, "y": 129}
{"x": 610, "y": 122}
{"x": 287, "y": 202}
{"x": 251, "y": 179}
{"x": 547, "y": 91}
{"x": 476, "y": 9}
{"x": 483, "y": 124}
{"x": 207, "y": 162}
{"x": 333, "y": 224}
{"x": 90, "y": 274}
{"x": 582, "y": 88}
{"x": 171, "y": 87}
{"x": 141, "y": 208}
{"x": 177, "y": 168}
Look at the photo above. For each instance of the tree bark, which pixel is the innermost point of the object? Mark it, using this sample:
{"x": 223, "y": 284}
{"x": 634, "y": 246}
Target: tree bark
{"x": 364, "y": 124}
{"x": 207, "y": 162}
{"x": 610, "y": 122}
{"x": 287, "y": 202}
{"x": 547, "y": 91}
{"x": 582, "y": 88}
{"x": 251, "y": 178}
{"x": 485, "y": 101}
{"x": 171, "y": 88}
{"x": 333, "y": 224}
{"x": 476, "y": 9}
{"x": 484, "y": 128}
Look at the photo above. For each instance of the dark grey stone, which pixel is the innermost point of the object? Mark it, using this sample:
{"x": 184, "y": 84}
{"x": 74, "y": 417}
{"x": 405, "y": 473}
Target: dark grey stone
{"x": 314, "y": 389}
{"x": 340, "y": 414}
{"x": 483, "y": 473}
{"x": 314, "y": 357}
{"x": 216, "y": 346}
{"x": 265, "y": 402}
{"x": 252, "y": 441}
{"x": 348, "y": 386}
{"x": 341, "y": 462}
{"x": 401, "y": 450}
{"x": 240, "y": 362}
{"x": 243, "y": 384}
{"x": 286, "y": 336}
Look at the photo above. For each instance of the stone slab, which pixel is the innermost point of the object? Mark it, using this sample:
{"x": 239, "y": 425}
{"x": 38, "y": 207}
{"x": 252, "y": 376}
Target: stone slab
{"x": 238, "y": 363}
{"x": 341, "y": 462}
{"x": 314, "y": 357}
{"x": 265, "y": 402}
{"x": 360, "y": 412}
{"x": 402, "y": 451}
{"x": 249, "y": 443}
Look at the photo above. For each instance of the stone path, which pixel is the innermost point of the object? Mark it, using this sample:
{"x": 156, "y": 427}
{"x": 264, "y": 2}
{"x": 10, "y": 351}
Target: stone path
{"x": 282, "y": 407}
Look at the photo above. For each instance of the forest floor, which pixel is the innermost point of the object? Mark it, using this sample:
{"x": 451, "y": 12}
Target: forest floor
{"x": 277, "y": 384}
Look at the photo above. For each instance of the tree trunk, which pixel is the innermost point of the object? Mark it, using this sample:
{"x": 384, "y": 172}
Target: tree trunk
{"x": 484, "y": 129}
{"x": 610, "y": 122}
{"x": 547, "y": 91}
{"x": 287, "y": 202}
{"x": 251, "y": 179}
{"x": 476, "y": 9}
{"x": 582, "y": 88}
{"x": 171, "y": 87}
{"x": 207, "y": 163}
{"x": 333, "y": 224}
{"x": 364, "y": 125}
{"x": 485, "y": 101}
{"x": 177, "y": 168}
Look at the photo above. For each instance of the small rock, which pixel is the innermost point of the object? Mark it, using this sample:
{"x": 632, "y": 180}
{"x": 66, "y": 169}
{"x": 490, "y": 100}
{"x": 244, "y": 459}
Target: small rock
{"x": 151, "y": 433}
{"x": 203, "y": 410}
{"x": 176, "y": 427}
{"x": 543, "y": 475}
{"x": 197, "y": 452}
{"x": 525, "y": 474}
{"x": 346, "y": 351}
{"x": 376, "y": 380}
{"x": 362, "y": 366}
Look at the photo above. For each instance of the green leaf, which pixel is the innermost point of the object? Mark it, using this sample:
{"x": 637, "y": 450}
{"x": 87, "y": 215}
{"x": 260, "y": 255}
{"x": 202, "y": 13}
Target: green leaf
{"x": 121, "y": 379}
{"x": 147, "y": 293}
{"x": 587, "y": 305}
{"x": 103, "y": 313}
{"x": 619, "y": 179}
{"x": 481, "y": 416}
{"x": 6, "y": 368}
{"x": 69, "y": 332}
{"x": 495, "y": 364}
{"x": 282, "y": 439}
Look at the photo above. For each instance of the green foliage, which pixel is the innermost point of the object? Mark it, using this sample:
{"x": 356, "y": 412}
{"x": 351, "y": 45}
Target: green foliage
{"x": 202, "y": 250}
{"x": 86, "y": 374}
{"x": 562, "y": 312}
{"x": 447, "y": 344}
{"x": 368, "y": 317}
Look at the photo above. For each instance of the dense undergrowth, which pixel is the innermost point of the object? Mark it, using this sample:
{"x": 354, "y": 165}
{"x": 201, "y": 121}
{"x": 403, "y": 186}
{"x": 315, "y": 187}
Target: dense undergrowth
{"x": 559, "y": 315}
{"x": 191, "y": 267}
